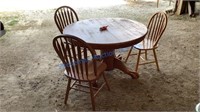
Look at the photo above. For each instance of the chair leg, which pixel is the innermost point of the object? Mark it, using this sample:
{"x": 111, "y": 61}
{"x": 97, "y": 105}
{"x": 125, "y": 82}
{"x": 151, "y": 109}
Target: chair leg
{"x": 106, "y": 82}
{"x": 145, "y": 54}
{"x": 138, "y": 60}
{"x": 157, "y": 3}
{"x": 129, "y": 52}
{"x": 154, "y": 52}
{"x": 92, "y": 96}
{"x": 67, "y": 91}
{"x": 170, "y": 2}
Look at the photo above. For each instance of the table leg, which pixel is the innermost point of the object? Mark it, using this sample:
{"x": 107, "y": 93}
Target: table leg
{"x": 108, "y": 57}
{"x": 112, "y": 62}
{"x": 120, "y": 65}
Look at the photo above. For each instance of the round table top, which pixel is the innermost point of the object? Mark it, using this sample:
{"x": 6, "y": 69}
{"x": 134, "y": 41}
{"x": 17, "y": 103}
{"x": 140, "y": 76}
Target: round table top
{"x": 120, "y": 32}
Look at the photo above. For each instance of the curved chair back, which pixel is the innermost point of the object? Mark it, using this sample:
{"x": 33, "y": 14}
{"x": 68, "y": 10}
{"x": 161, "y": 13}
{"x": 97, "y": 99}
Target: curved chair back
{"x": 156, "y": 27}
{"x": 77, "y": 57}
{"x": 64, "y": 16}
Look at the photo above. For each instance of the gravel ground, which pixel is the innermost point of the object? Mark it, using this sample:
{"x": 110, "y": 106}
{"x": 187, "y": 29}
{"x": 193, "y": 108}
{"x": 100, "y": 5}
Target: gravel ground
{"x": 31, "y": 80}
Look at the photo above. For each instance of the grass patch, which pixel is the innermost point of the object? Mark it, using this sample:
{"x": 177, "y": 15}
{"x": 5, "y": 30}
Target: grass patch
{"x": 10, "y": 19}
{"x": 13, "y": 22}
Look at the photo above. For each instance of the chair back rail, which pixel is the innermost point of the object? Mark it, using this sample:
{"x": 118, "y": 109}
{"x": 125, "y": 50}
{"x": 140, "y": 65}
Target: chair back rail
{"x": 77, "y": 57}
{"x": 64, "y": 16}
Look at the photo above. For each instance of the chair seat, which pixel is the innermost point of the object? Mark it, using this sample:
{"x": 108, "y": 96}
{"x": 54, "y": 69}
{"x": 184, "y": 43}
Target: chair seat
{"x": 146, "y": 44}
{"x": 101, "y": 67}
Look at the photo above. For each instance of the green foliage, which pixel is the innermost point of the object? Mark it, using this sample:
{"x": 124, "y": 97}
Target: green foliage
{"x": 12, "y": 22}
{"x": 9, "y": 19}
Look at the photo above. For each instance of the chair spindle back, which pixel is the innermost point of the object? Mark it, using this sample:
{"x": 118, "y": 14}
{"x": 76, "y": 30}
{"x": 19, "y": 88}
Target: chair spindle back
{"x": 156, "y": 27}
{"x": 64, "y": 16}
{"x": 76, "y": 55}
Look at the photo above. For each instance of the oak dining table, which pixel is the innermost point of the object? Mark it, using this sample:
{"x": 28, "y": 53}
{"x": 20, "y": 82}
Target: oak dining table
{"x": 119, "y": 33}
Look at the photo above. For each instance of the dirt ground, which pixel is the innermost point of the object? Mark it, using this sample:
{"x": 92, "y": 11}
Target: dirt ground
{"x": 31, "y": 80}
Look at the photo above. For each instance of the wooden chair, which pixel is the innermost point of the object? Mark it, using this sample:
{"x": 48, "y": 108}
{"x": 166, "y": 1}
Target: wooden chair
{"x": 156, "y": 27}
{"x": 82, "y": 67}
{"x": 64, "y": 16}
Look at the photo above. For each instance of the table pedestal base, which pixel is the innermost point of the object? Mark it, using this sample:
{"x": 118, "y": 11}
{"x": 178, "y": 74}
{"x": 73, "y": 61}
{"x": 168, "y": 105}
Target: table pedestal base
{"x": 115, "y": 62}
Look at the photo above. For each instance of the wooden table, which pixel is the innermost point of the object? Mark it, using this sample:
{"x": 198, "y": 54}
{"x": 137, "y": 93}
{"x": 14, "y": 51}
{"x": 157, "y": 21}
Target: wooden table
{"x": 120, "y": 33}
